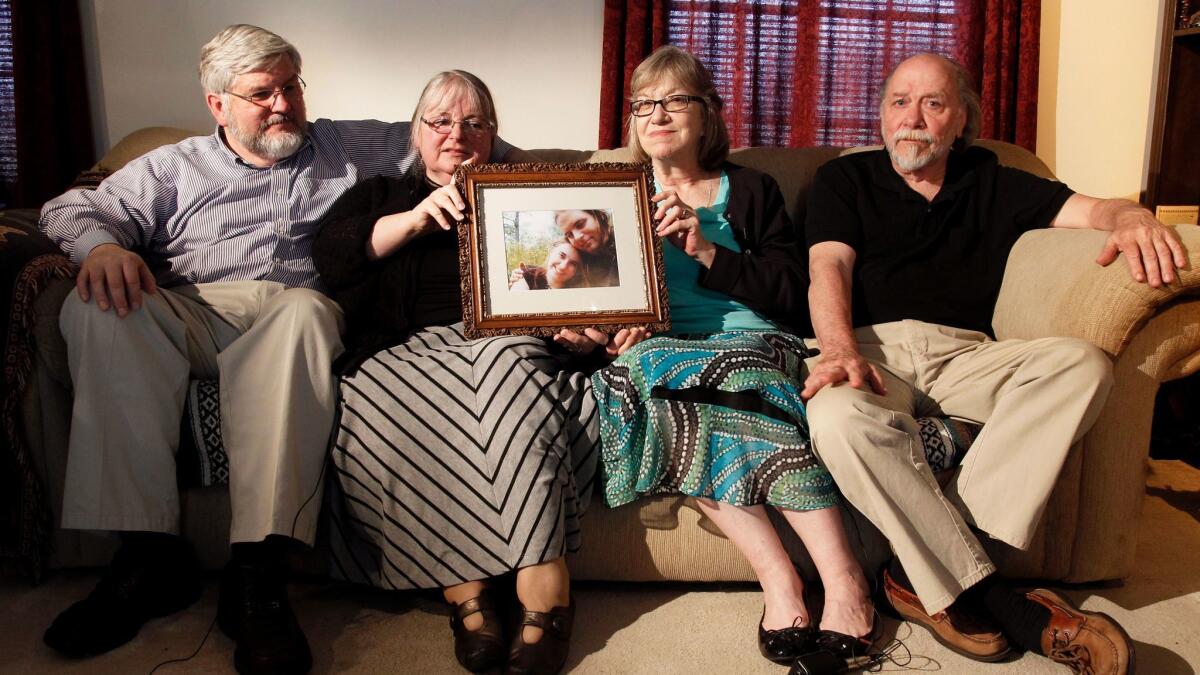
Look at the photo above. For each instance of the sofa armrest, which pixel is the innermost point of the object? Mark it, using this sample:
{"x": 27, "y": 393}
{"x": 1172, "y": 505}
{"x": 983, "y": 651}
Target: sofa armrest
{"x": 1053, "y": 287}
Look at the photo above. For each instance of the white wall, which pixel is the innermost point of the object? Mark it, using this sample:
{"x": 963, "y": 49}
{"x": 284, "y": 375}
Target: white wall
{"x": 1096, "y": 92}
{"x": 370, "y": 58}
{"x": 362, "y": 59}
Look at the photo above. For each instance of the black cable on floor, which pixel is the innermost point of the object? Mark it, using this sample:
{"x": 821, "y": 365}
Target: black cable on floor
{"x": 194, "y": 653}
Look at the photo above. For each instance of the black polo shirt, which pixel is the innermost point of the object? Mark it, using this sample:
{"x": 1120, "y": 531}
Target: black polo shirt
{"x": 940, "y": 261}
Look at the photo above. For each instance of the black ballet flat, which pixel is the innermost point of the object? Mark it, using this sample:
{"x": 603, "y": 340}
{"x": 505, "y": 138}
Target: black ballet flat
{"x": 845, "y": 646}
{"x": 834, "y": 652}
{"x": 783, "y": 645}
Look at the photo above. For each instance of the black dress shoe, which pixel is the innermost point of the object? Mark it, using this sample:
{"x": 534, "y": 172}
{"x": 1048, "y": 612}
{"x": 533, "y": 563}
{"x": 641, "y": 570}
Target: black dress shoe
{"x": 485, "y": 647}
{"x": 136, "y": 587}
{"x": 255, "y": 613}
{"x": 783, "y": 645}
{"x": 548, "y": 655}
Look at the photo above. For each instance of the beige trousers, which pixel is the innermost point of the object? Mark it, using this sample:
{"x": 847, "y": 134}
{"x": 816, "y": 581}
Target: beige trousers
{"x": 1037, "y": 398}
{"x": 271, "y": 348}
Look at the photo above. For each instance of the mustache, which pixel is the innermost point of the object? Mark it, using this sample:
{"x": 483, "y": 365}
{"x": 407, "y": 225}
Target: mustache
{"x": 913, "y": 135}
{"x": 277, "y": 118}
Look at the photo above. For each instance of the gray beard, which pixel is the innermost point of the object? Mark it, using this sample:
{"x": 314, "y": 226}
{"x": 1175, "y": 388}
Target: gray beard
{"x": 909, "y": 162}
{"x": 915, "y": 161}
{"x": 274, "y": 148}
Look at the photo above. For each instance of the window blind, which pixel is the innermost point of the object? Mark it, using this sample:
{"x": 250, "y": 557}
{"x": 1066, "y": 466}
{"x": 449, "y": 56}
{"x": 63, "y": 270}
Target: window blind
{"x": 751, "y": 48}
{"x": 8, "y": 123}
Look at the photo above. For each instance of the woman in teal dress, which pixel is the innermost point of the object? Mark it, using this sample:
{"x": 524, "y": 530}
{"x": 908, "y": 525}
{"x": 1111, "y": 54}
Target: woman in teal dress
{"x": 713, "y": 410}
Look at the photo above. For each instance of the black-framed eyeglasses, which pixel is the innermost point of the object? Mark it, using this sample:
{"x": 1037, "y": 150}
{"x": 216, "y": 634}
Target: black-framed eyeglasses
{"x": 471, "y": 126}
{"x": 265, "y": 98}
{"x": 673, "y": 103}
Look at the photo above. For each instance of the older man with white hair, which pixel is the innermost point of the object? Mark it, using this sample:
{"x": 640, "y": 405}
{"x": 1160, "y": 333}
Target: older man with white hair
{"x": 195, "y": 261}
{"x": 908, "y": 247}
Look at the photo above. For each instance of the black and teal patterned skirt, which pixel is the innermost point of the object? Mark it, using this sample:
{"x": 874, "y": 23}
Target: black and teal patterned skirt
{"x": 718, "y": 417}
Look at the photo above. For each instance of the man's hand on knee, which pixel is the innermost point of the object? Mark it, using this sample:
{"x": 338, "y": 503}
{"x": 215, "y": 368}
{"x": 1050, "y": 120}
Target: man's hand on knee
{"x": 842, "y": 366}
{"x": 116, "y": 277}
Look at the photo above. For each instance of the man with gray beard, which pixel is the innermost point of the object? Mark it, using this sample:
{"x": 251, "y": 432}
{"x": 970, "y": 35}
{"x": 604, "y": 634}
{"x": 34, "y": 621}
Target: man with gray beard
{"x": 907, "y": 253}
{"x": 195, "y": 260}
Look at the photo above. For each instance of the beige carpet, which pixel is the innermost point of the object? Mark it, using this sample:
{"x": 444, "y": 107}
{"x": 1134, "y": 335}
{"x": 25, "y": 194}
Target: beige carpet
{"x": 633, "y": 628}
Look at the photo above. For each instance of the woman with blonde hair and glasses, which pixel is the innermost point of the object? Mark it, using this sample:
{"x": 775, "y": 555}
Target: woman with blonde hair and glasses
{"x": 459, "y": 460}
{"x": 713, "y": 410}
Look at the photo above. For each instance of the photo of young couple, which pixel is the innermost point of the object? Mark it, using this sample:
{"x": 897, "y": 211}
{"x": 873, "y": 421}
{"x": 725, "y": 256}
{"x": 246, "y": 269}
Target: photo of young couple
{"x": 565, "y": 248}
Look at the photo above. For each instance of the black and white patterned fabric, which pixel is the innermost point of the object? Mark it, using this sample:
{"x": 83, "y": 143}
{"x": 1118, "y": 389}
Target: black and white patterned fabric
{"x": 458, "y": 460}
{"x": 946, "y": 440}
{"x": 204, "y": 409}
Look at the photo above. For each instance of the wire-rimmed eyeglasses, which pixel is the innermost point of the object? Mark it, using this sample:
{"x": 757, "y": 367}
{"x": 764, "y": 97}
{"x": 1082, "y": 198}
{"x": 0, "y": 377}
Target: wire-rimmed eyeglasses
{"x": 472, "y": 126}
{"x": 265, "y": 98}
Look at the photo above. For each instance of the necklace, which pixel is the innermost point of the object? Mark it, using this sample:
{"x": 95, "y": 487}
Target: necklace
{"x": 710, "y": 193}
{"x": 712, "y": 189}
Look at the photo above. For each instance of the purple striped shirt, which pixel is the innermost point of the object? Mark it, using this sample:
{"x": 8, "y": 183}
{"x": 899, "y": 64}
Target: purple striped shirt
{"x": 198, "y": 213}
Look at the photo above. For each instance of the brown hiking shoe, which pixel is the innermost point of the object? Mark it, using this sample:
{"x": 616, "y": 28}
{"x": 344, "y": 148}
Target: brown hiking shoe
{"x": 959, "y": 631}
{"x": 1086, "y": 642}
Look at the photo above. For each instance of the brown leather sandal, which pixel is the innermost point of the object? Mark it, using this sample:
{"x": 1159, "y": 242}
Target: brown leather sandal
{"x": 548, "y": 655}
{"x": 484, "y": 648}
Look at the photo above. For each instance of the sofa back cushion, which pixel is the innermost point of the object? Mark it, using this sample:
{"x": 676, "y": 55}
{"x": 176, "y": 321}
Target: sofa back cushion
{"x": 139, "y": 143}
{"x": 792, "y": 168}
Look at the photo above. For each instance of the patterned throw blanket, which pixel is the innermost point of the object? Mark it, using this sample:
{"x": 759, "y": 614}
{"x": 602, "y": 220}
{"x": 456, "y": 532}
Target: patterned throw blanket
{"x": 28, "y": 262}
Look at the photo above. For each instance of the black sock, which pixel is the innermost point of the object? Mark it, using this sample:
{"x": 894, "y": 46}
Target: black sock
{"x": 144, "y": 545}
{"x": 896, "y": 572}
{"x": 257, "y": 553}
{"x": 1021, "y": 619}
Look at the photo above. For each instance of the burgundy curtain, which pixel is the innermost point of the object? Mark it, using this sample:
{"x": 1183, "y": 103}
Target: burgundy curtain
{"x": 632, "y": 29}
{"x": 807, "y": 72}
{"x": 1002, "y": 53}
{"x": 53, "y": 120}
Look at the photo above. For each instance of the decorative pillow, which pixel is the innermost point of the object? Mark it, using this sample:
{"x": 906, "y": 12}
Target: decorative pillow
{"x": 201, "y": 459}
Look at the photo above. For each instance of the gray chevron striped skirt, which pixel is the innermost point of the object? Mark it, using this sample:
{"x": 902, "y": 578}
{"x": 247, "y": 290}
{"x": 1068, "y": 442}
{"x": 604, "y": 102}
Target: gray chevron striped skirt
{"x": 458, "y": 460}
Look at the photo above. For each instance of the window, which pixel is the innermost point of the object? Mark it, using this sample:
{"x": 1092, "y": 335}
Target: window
{"x": 751, "y": 46}
{"x": 8, "y": 123}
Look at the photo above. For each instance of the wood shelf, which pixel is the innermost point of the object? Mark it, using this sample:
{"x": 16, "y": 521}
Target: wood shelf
{"x": 1174, "y": 172}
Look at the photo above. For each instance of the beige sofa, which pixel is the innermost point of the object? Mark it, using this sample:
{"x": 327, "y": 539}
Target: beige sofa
{"x": 1052, "y": 287}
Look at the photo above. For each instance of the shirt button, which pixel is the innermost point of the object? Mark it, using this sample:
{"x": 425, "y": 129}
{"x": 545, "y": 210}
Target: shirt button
{"x": 280, "y": 192}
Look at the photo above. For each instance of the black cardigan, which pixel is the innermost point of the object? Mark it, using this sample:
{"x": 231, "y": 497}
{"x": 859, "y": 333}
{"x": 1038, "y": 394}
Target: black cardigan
{"x": 385, "y": 300}
{"x": 770, "y": 275}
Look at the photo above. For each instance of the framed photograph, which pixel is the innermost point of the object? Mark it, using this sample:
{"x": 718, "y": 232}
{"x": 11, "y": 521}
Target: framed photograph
{"x": 553, "y": 246}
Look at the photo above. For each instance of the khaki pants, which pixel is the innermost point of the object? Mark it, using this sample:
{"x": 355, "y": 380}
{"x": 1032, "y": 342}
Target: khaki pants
{"x": 271, "y": 348}
{"x": 1037, "y": 398}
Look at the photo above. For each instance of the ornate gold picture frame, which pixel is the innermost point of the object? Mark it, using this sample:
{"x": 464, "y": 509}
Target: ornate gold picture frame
{"x": 554, "y": 246}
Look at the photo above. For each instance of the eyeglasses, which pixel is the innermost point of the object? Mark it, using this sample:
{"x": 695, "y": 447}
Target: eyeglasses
{"x": 470, "y": 126}
{"x": 265, "y": 98}
{"x": 674, "y": 103}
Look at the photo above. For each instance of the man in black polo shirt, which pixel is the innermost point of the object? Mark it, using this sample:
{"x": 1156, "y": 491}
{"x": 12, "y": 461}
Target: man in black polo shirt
{"x": 907, "y": 248}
